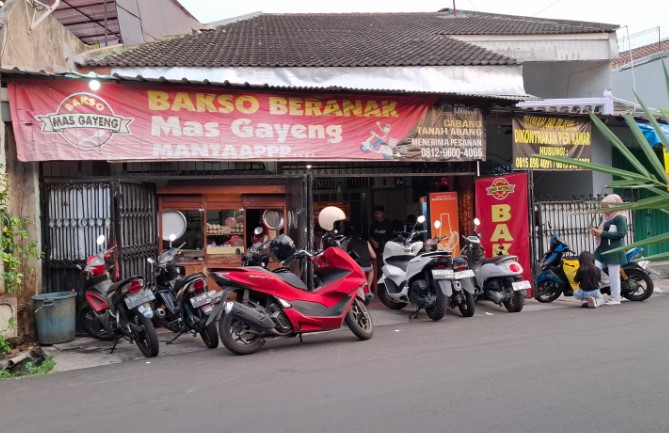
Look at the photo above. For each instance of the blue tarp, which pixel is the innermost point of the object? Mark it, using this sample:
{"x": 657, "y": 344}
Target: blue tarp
{"x": 651, "y": 135}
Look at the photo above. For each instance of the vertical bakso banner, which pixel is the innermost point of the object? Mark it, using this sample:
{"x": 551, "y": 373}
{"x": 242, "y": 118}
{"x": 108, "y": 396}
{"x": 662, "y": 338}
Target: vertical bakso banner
{"x": 501, "y": 205}
{"x": 444, "y": 208}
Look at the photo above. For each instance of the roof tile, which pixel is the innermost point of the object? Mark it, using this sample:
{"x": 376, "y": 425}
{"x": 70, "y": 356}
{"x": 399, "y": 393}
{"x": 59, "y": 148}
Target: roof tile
{"x": 341, "y": 40}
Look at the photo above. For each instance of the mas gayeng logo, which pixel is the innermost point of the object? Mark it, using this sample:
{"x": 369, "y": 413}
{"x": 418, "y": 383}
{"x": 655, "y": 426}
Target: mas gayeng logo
{"x": 500, "y": 188}
{"x": 86, "y": 121}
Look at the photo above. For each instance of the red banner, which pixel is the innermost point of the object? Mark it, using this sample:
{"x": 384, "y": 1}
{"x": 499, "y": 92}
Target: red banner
{"x": 65, "y": 120}
{"x": 501, "y": 205}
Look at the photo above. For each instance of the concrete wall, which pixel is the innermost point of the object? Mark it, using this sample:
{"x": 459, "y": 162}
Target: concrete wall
{"x": 567, "y": 79}
{"x": 50, "y": 47}
{"x": 145, "y": 21}
{"x": 648, "y": 80}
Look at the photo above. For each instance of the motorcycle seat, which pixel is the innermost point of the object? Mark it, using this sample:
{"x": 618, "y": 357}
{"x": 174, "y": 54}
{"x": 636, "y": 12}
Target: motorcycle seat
{"x": 331, "y": 274}
{"x": 401, "y": 262}
{"x": 289, "y": 278}
{"x": 118, "y": 284}
{"x": 498, "y": 259}
{"x": 179, "y": 283}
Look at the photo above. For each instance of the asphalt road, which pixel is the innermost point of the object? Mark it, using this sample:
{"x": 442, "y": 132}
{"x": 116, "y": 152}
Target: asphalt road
{"x": 554, "y": 369}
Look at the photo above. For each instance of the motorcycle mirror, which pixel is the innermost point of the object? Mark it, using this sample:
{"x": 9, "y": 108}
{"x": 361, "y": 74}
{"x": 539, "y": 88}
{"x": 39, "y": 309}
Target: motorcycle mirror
{"x": 420, "y": 219}
{"x": 477, "y": 222}
{"x": 101, "y": 240}
{"x": 258, "y": 231}
{"x": 437, "y": 224}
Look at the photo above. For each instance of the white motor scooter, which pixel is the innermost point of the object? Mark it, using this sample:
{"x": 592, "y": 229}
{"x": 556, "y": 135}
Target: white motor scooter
{"x": 499, "y": 278}
{"x": 426, "y": 280}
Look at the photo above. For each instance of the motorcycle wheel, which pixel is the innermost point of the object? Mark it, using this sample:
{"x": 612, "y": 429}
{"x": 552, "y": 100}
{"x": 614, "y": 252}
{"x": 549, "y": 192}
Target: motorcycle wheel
{"x": 359, "y": 320}
{"x": 238, "y": 337}
{"x": 91, "y": 325}
{"x": 467, "y": 308}
{"x": 438, "y": 310}
{"x": 516, "y": 303}
{"x": 545, "y": 292}
{"x": 147, "y": 338}
{"x": 382, "y": 293}
{"x": 638, "y": 287}
{"x": 209, "y": 336}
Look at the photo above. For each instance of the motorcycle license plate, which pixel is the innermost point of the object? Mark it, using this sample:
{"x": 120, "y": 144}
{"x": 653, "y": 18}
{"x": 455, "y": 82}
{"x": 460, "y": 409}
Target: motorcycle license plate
{"x": 521, "y": 285}
{"x": 442, "y": 274}
{"x": 203, "y": 299}
{"x": 464, "y": 274}
{"x": 140, "y": 298}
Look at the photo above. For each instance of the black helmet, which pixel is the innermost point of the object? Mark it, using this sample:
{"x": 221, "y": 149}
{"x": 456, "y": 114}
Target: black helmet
{"x": 282, "y": 247}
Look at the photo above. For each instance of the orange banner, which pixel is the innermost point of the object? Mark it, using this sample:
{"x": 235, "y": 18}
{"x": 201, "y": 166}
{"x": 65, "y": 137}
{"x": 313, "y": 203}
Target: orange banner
{"x": 444, "y": 208}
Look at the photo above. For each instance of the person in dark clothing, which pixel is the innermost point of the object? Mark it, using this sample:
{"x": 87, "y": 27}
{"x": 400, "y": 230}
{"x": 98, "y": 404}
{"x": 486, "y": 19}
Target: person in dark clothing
{"x": 588, "y": 276}
{"x": 381, "y": 230}
{"x": 364, "y": 254}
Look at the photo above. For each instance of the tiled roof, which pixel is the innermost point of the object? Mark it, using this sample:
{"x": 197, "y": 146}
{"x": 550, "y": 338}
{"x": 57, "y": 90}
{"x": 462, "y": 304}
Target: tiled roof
{"x": 639, "y": 53}
{"x": 340, "y": 40}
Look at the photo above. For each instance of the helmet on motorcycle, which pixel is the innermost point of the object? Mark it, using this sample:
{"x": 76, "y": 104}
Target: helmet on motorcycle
{"x": 329, "y": 216}
{"x": 282, "y": 247}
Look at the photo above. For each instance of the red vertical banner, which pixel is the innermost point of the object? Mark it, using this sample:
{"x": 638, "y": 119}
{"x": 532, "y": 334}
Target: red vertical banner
{"x": 501, "y": 205}
{"x": 444, "y": 208}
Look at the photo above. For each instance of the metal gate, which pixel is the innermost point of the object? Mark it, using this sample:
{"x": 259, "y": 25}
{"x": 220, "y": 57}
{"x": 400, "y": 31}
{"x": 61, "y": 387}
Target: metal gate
{"x": 74, "y": 214}
{"x": 571, "y": 221}
{"x": 135, "y": 205}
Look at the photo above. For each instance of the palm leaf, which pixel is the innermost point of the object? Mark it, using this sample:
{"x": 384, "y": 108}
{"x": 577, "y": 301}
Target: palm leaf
{"x": 645, "y": 146}
{"x": 608, "y": 134}
{"x": 657, "y": 257}
{"x": 600, "y": 168}
{"x": 629, "y": 184}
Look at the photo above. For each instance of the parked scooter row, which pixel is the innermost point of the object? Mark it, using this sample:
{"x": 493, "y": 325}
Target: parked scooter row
{"x": 257, "y": 304}
{"x": 556, "y": 277}
{"x": 430, "y": 280}
{"x": 126, "y": 309}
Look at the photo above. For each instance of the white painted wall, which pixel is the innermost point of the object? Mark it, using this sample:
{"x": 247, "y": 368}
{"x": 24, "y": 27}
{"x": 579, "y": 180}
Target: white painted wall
{"x": 550, "y": 80}
{"x": 647, "y": 77}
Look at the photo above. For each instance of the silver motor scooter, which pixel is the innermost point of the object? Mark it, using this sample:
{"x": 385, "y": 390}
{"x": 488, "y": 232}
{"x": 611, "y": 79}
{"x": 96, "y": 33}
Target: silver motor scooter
{"x": 426, "y": 280}
{"x": 499, "y": 278}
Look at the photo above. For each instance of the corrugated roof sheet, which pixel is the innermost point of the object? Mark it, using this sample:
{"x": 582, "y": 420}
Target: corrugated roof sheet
{"x": 17, "y": 72}
{"x": 341, "y": 40}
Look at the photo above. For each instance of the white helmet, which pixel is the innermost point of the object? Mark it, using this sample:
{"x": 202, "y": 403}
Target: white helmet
{"x": 329, "y": 216}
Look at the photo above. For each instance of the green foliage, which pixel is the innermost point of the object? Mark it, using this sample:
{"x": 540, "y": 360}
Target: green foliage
{"x": 31, "y": 369}
{"x": 16, "y": 249}
{"x": 5, "y": 347}
{"x": 652, "y": 178}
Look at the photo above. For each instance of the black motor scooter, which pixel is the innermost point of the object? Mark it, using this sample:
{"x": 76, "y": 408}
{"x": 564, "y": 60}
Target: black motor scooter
{"x": 183, "y": 303}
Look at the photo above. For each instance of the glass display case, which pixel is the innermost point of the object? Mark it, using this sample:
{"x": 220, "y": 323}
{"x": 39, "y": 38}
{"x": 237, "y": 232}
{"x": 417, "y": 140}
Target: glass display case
{"x": 224, "y": 231}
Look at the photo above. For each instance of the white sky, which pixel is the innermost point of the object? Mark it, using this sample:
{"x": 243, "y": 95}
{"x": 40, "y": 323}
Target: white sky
{"x": 637, "y": 15}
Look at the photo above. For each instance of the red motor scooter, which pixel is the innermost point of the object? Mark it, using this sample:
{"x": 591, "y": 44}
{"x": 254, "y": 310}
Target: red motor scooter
{"x": 277, "y": 303}
{"x": 111, "y": 311}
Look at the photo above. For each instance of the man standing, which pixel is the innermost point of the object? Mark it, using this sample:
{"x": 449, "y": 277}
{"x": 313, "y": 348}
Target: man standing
{"x": 380, "y": 231}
